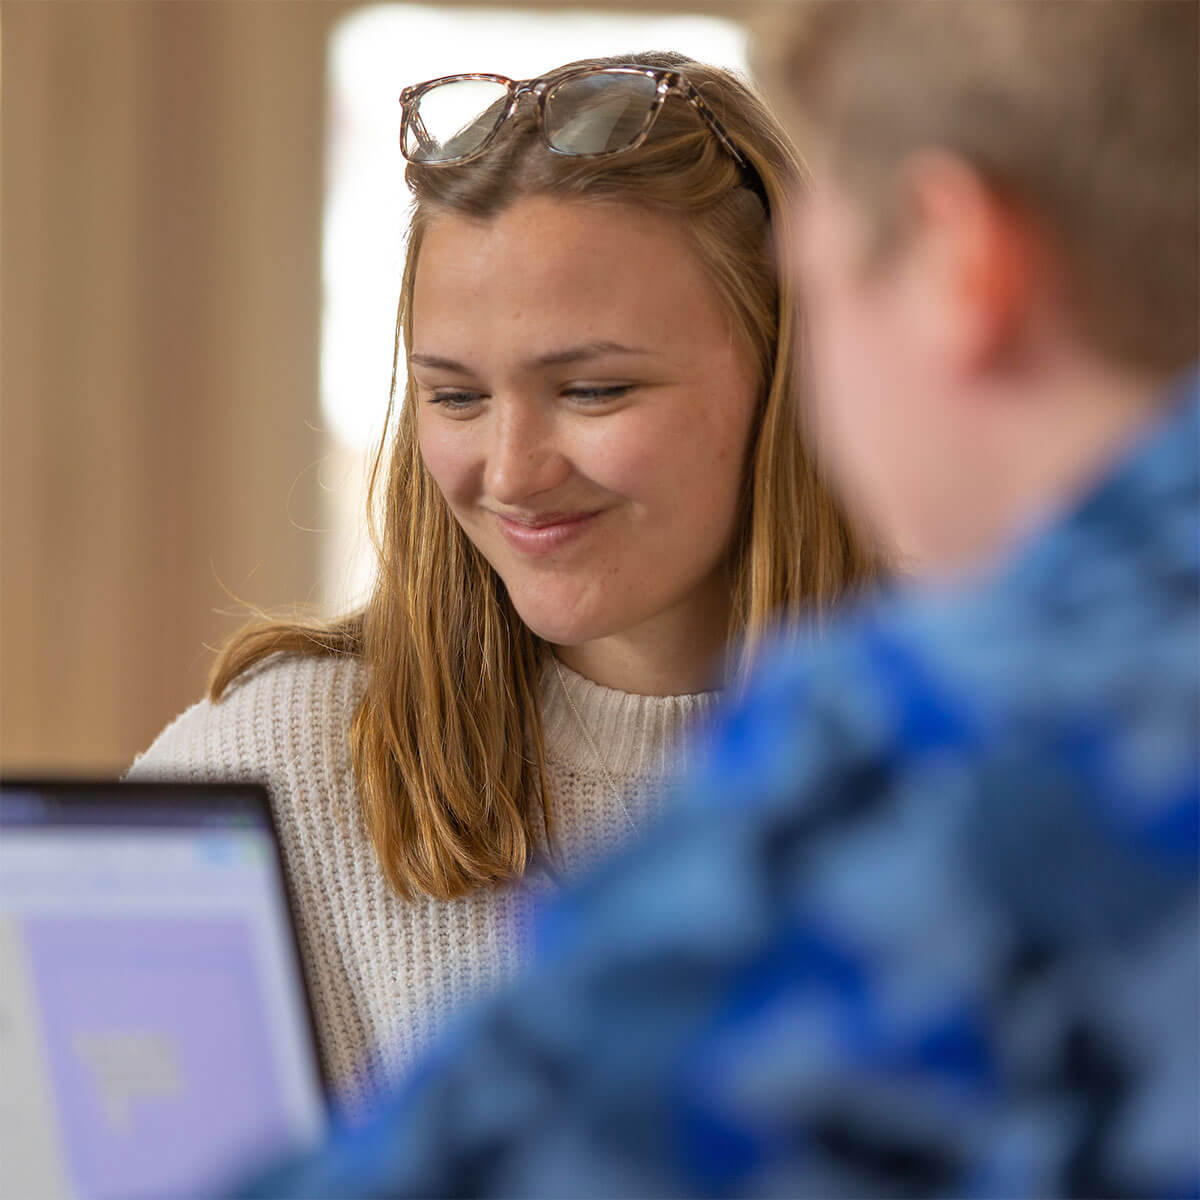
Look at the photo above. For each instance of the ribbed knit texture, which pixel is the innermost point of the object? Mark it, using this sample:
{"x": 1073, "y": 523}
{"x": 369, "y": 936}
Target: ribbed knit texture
{"x": 386, "y": 973}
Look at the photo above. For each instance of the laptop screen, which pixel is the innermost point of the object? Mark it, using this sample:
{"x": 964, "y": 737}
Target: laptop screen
{"x": 154, "y": 1025}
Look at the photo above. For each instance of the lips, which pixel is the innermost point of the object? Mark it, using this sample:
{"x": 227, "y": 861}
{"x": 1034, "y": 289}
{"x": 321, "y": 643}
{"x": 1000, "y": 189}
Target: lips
{"x": 546, "y": 532}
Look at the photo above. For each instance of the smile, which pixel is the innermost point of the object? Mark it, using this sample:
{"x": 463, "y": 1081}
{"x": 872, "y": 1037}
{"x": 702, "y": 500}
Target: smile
{"x": 544, "y": 535}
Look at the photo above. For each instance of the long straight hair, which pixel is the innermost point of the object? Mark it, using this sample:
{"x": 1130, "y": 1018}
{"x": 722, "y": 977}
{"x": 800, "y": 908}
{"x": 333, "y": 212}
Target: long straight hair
{"x": 447, "y": 738}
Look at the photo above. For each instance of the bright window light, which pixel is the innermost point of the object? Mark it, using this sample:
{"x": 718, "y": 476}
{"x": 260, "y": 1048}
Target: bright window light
{"x": 374, "y": 54}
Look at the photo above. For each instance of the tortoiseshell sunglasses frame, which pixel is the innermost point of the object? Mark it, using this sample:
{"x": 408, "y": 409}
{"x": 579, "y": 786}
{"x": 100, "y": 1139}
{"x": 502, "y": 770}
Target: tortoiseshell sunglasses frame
{"x": 666, "y": 82}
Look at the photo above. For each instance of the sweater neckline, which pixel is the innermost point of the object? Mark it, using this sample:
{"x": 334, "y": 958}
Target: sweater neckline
{"x": 637, "y": 735}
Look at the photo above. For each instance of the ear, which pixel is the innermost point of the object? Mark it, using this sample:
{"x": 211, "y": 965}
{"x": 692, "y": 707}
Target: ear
{"x": 976, "y": 262}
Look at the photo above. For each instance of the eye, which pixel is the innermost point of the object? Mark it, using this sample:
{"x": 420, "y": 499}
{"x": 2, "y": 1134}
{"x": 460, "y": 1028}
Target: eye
{"x": 598, "y": 395}
{"x": 455, "y": 401}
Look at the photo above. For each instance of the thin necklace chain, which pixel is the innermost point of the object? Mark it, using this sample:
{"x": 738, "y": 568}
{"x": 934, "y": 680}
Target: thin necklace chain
{"x": 591, "y": 741}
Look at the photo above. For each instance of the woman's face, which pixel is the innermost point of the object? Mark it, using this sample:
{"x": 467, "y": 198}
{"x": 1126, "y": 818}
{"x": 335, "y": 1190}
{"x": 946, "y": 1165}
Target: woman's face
{"x": 585, "y": 408}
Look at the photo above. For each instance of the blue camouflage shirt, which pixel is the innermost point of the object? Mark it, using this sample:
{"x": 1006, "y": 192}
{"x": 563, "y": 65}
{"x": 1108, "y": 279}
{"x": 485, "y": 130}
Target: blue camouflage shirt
{"x": 928, "y": 923}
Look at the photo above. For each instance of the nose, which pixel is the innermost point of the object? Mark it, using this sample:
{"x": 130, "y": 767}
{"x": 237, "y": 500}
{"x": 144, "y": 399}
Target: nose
{"x": 523, "y": 459}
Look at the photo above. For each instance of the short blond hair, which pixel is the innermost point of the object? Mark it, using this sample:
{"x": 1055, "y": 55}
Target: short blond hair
{"x": 1085, "y": 113}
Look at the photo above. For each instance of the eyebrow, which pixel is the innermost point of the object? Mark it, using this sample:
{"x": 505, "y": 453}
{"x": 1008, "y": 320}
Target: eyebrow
{"x": 555, "y": 358}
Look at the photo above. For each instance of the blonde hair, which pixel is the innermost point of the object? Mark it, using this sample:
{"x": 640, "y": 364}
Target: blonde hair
{"x": 1085, "y": 114}
{"x": 447, "y": 741}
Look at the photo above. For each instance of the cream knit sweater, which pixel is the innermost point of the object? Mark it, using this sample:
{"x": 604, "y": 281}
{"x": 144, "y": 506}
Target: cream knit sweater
{"x": 387, "y": 973}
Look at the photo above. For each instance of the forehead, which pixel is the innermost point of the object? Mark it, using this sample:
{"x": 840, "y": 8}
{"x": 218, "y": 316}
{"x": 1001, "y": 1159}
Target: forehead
{"x": 552, "y": 269}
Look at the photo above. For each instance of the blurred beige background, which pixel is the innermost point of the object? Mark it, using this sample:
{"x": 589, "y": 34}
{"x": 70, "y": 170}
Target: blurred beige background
{"x": 162, "y": 183}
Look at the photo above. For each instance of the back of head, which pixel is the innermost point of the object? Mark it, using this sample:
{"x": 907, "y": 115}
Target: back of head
{"x": 1085, "y": 113}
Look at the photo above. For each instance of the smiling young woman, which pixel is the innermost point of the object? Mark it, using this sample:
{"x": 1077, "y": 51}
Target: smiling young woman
{"x": 596, "y": 500}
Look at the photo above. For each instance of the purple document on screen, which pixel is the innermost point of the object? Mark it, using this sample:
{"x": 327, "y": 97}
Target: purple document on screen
{"x": 159, "y": 1056}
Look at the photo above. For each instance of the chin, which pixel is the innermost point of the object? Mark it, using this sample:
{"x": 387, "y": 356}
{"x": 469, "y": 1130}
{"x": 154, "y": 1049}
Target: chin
{"x": 562, "y": 630}
{"x": 563, "y": 623}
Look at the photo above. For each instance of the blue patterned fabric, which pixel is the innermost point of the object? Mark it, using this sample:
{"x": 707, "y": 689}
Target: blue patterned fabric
{"x": 928, "y": 925}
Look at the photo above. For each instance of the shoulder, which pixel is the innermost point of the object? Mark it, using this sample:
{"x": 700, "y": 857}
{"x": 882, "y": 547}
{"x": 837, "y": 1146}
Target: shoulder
{"x": 289, "y": 714}
{"x": 872, "y": 693}
{"x": 978, "y": 723}
{"x": 968, "y": 735}
{"x": 1016, "y": 665}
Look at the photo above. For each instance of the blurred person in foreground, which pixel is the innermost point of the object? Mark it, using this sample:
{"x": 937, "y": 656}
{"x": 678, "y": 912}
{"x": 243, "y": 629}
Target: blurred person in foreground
{"x": 930, "y": 924}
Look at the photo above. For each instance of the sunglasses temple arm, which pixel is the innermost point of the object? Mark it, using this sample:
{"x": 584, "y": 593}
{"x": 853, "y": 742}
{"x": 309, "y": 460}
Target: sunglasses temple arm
{"x": 711, "y": 119}
{"x": 418, "y": 127}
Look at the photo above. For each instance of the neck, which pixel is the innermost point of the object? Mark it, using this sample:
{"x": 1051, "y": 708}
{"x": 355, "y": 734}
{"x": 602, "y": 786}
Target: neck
{"x": 676, "y": 652}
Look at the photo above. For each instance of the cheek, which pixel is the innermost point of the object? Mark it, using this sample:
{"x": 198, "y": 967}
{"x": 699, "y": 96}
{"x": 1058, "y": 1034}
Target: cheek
{"x": 450, "y": 458}
{"x": 870, "y": 387}
{"x": 849, "y": 394}
{"x": 687, "y": 470}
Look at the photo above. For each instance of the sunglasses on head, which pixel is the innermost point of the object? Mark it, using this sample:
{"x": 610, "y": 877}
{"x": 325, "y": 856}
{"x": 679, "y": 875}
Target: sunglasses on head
{"x": 587, "y": 112}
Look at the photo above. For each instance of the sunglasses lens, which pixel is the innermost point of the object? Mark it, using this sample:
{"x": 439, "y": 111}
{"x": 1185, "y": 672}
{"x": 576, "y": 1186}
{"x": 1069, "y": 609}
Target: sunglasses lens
{"x": 453, "y": 120}
{"x": 600, "y": 113}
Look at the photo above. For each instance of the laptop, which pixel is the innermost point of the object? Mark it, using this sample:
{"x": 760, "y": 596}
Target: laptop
{"x": 156, "y": 1037}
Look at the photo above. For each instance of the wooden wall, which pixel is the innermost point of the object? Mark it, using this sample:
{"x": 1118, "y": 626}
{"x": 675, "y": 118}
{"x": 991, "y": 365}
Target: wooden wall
{"x": 162, "y": 180}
